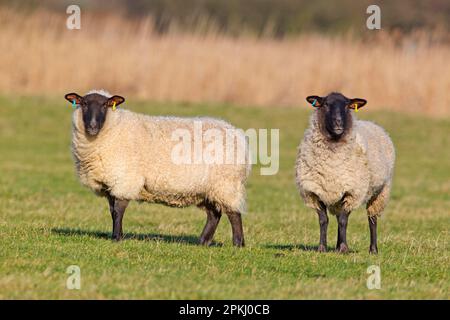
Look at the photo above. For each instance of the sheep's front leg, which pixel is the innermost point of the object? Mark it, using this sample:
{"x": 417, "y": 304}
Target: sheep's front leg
{"x": 373, "y": 249}
{"x": 323, "y": 222}
{"x": 117, "y": 208}
{"x": 342, "y": 219}
{"x": 236, "y": 227}
{"x": 213, "y": 218}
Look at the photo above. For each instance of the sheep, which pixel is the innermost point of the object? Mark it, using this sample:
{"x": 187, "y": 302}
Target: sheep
{"x": 125, "y": 156}
{"x": 343, "y": 163}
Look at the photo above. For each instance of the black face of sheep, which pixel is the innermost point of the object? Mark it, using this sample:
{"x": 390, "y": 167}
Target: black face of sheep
{"x": 334, "y": 113}
{"x": 94, "y": 108}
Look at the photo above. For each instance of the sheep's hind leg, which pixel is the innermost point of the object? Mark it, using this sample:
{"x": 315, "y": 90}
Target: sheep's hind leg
{"x": 375, "y": 206}
{"x": 373, "y": 249}
{"x": 212, "y": 220}
{"x": 342, "y": 232}
{"x": 323, "y": 222}
{"x": 236, "y": 227}
{"x": 338, "y": 242}
{"x": 117, "y": 208}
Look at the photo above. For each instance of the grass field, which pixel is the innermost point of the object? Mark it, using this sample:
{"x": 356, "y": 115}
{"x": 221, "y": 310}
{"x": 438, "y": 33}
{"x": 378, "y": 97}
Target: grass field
{"x": 48, "y": 221}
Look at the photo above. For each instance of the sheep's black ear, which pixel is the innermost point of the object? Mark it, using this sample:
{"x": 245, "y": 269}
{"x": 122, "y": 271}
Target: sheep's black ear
{"x": 71, "y": 97}
{"x": 117, "y": 99}
{"x": 357, "y": 103}
{"x": 315, "y": 101}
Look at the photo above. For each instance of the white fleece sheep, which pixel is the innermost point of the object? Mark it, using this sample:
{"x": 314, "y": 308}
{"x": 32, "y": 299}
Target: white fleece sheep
{"x": 342, "y": 175}
{"x": 131, "y": 159}
{"x": 359, "y": 169}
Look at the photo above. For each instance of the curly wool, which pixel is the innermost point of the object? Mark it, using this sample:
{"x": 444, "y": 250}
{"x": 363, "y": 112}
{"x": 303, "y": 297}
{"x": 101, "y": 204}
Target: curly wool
{"x": 131, "y": 159}
{"x": 346, "y": 174}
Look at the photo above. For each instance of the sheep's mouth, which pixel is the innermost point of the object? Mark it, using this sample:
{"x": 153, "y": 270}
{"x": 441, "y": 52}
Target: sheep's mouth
{"x": 335, "y": 132}
{"x": 338, "y": 131}
{"x": 92, "y": 131}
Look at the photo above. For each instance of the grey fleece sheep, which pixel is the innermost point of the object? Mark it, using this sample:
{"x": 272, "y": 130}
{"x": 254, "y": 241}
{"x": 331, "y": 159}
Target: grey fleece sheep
{"x": 343, "y": 163}
{"x": 126, "y": 156}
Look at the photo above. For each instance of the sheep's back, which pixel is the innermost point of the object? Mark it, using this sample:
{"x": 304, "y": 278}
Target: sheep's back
{"x": 379, "y": 151}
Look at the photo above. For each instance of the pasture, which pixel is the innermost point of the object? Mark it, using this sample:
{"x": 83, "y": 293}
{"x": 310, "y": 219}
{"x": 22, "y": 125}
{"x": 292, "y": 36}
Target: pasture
{"x": 48, "y": 221}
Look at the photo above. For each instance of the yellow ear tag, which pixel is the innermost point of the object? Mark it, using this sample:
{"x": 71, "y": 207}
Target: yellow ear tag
{"x": 114, "y": 106}
{"x": 356, "y": 107}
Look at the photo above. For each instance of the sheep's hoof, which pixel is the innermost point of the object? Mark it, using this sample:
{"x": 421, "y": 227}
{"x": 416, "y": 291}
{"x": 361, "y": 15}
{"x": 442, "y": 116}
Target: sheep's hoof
{"x": 343, "y": 248}
{"x": 116, "y": 238}
{"x": 239, "y": 243}
{"x": 205, "y": 242}
{"x": 322, "y": 248}
{"x": 373, "y": 250}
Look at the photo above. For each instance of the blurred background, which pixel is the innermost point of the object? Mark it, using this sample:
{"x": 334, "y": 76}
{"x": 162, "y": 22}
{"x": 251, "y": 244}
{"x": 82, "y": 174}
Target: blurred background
{"x": 246, "y": 52}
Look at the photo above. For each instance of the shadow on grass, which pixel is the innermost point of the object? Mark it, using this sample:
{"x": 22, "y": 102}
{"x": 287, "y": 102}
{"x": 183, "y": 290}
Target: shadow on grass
{"x": 302, "y": 247}
{"x": 185, "y": 239}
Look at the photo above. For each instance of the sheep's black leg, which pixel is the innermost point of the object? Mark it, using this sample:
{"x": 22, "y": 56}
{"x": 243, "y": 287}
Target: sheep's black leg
{"x": 373, "y": 235}
{"x": 236, "y": 226}
{"x": 342, "y": 231}
{"x": 339, "y": 240}
{"x": 117, "y": 208}
{"x": 111, "y": 205}
{"x": 323, "y": 222}
{"x": 212, "y": 220}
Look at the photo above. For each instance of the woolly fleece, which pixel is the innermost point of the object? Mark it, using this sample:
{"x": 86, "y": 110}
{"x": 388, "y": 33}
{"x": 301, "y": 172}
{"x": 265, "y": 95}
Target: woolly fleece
{"x": 131, "y": 159}
{"x": 346, "y": 174}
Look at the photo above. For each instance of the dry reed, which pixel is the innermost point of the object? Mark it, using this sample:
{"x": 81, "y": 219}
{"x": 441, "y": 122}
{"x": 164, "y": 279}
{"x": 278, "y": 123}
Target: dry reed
{"x": 40, "y": 56}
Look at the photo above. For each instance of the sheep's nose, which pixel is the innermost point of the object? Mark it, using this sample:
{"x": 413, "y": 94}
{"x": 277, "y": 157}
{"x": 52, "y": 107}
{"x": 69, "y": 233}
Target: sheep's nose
{"x": 93, "y": 123}
{"x": 338, "y": 122}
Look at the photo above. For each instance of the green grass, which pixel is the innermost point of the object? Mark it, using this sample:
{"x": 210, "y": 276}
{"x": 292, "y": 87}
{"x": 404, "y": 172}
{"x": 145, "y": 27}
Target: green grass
{"x": 48, "y": 221}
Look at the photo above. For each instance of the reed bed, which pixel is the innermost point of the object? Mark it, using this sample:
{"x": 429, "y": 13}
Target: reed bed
{"x": 41, "y": 56}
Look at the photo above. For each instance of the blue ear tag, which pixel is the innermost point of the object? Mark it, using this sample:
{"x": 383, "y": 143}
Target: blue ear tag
{"x": 74, "y": 106}
{"x": 314, "y": 103}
